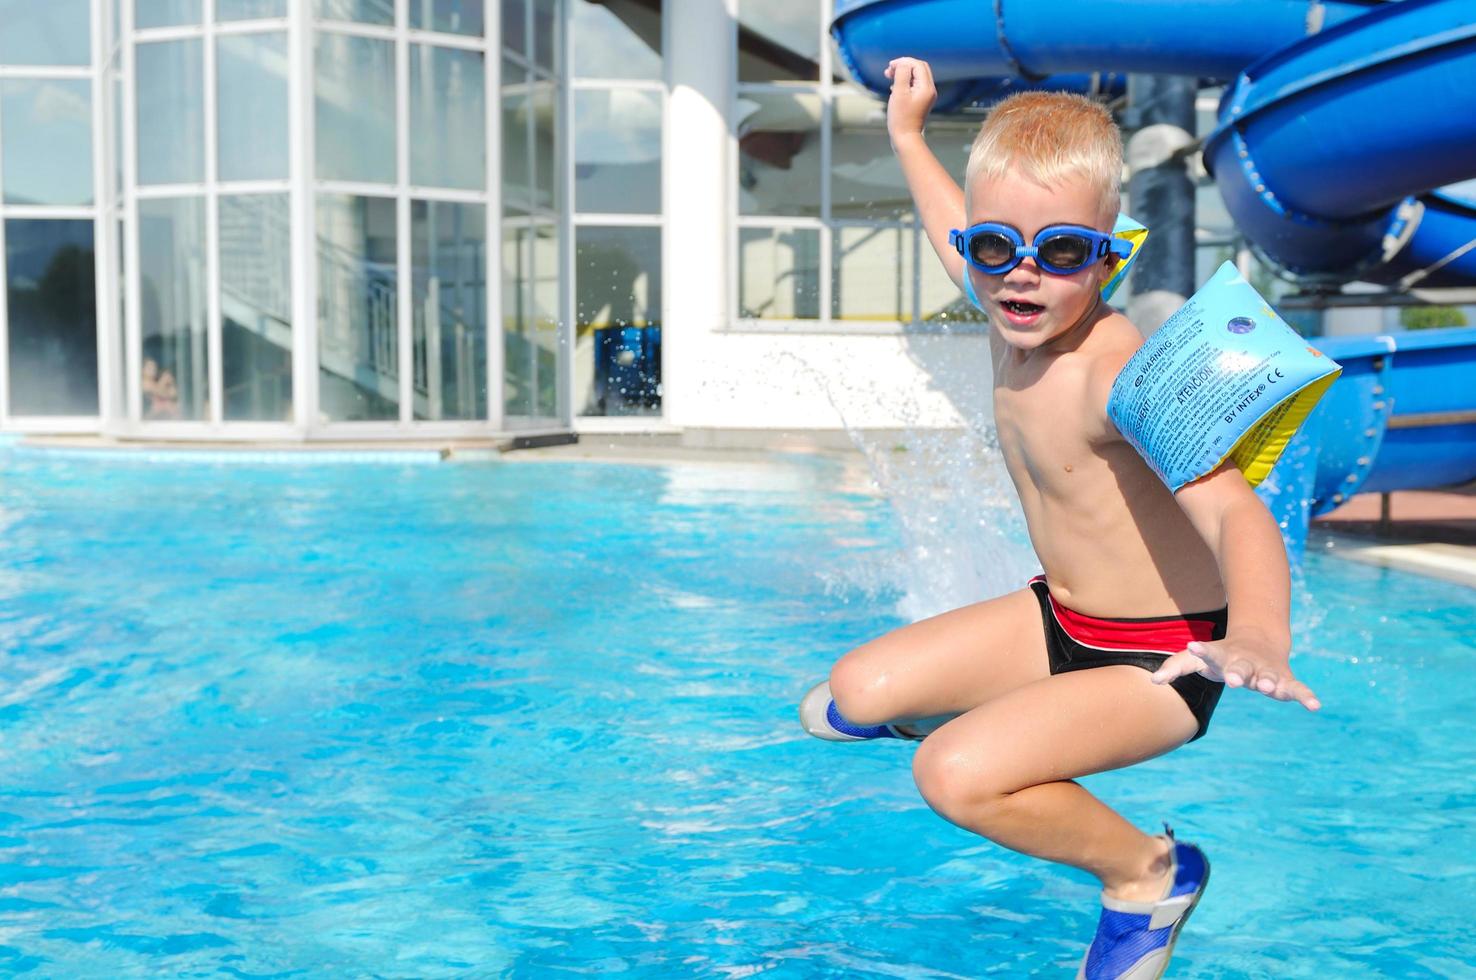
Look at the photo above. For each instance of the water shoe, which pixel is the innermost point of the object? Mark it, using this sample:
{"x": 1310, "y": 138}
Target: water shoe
{"x": 822, "y": 719}
{"x": 1135, "y": 939}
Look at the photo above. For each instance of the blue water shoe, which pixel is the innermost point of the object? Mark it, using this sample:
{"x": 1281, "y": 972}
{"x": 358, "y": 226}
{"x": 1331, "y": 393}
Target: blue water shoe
{"x": 822, "y": 719}
{"x": 1135, "y": 939}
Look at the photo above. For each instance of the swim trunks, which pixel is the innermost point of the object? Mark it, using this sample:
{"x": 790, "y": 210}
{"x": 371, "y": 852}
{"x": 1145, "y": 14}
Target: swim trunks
{"x": 1078, "y": 642}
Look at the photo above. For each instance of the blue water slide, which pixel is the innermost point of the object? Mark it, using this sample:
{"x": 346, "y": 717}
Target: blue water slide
{"x": 964, "y": 40}
{"x": 1400, "y": 416}
{"x": 1340, "y": 124}
{"x": 1323, "y": 145}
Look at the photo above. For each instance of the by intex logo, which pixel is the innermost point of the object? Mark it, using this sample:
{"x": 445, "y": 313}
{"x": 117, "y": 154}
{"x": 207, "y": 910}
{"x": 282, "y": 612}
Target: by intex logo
{"x": 1240, "y": 324}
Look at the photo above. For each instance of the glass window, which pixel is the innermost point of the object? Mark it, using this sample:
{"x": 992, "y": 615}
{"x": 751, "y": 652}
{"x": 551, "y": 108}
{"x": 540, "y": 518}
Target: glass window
{"x": 450, "y": 16}
{"x": 248, "y": 9}
{"x": 47, "y": 153}
{"x": 545, "y": 296}
{"x": 448, "y": 118}
{"x": 356, "y": 108}
{"x": 530, "y": 302}
{"x": 174, "y": 366}
{"x": 517, "y": 195}
{"x": 872, "y": 272}
{"x": 515, "y": 26}
{"x": 617, "y": 313}
{"x": 256, "y": 306}
{"x": 449, "y": 257}
{"x": 951, "y": 142}
{"x": 778, "y": 41}
{"x": 252, "y": 98}
{"x": 941, "y": 301}
{"x": 51, "y": 301}
{"x": 165, "y": 13}
{"x": 546, "y": 27}
{"x": 545, "y": 145}
{"x": 362, "y": 11}
{"x": 358, "y": 321}
{"x": 171, "y": 113}
{"x": 56, "y": 32}
{"x": 779, "y": 273}
{"x": 617, "y": 40}
{"x": 865, "y": 179}
{"x": 779, "y": 153}
{"x": 617, "y": 151}
{"x": 519, "y": 377}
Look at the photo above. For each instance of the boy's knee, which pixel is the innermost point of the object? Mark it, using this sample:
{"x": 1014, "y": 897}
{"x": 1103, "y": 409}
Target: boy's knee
{"x": 956, "y": 786}
{"x": 860, "y": 692}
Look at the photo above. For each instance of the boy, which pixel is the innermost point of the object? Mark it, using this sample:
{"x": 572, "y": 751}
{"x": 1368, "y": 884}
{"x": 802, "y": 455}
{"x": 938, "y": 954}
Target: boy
{"x": 1109, "y": 658}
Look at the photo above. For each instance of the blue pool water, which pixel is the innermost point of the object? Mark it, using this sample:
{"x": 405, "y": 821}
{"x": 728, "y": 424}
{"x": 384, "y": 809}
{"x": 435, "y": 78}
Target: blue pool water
{"x": 534, "y": 719}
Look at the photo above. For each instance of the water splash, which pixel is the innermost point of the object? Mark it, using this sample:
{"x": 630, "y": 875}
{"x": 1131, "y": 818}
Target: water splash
{"x": 963, "y": 533}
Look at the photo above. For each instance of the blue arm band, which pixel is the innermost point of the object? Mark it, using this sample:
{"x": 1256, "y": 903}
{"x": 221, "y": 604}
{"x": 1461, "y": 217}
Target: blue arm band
{"x": 1224, "y": 378}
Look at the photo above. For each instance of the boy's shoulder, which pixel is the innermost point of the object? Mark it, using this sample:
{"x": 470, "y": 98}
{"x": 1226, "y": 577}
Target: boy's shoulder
{"x": 1114, "y": 340}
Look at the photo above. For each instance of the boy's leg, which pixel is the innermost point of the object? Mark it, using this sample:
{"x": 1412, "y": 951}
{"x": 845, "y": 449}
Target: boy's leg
{"x": 1004, "y": 771}
{"x": 944, "y": 665}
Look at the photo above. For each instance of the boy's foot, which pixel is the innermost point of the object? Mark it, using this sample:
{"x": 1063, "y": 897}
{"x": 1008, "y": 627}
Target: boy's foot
{"x": 822, "y": 719}
{"x": 1135, "y": 939}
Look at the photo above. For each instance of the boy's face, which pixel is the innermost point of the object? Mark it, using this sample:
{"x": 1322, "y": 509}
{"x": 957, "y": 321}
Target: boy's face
{"x": 1027, "y": 306}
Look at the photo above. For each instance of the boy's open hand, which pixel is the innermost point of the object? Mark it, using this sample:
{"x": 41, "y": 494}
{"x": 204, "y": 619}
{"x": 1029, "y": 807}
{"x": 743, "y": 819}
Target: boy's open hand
{"x": 1240, "y": 663}
{"x": 913, "y": 95}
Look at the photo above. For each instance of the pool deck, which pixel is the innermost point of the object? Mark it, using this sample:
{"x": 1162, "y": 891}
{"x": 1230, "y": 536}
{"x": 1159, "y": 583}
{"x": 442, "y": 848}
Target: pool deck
{"x": 1430, "y": 533}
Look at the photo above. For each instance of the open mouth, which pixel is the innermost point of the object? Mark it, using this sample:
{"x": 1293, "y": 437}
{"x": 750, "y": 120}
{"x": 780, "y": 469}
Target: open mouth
{"x": 1021, "y": 309}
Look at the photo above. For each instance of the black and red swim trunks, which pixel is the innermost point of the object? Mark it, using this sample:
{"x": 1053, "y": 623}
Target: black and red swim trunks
{"x": 1078, "y": 642}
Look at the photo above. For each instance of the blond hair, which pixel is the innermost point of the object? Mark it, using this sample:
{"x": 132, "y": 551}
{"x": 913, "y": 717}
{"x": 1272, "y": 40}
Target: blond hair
{"x": 1050, "y": 138}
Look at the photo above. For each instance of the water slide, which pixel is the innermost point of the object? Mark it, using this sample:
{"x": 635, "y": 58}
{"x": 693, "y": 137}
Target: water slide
{"x": 1341, "y": 123}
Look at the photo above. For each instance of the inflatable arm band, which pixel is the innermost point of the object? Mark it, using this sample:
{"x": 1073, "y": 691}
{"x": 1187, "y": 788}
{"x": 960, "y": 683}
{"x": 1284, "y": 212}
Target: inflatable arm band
{"x": 1225, "y": 377}
{"x": 1126, "y": 228}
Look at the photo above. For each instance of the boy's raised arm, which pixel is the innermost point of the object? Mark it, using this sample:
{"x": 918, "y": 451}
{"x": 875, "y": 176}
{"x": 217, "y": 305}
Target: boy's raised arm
{"x": 939, "y": 199}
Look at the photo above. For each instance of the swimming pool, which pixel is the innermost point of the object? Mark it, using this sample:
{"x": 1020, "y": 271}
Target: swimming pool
{"x": 537, "y": 718}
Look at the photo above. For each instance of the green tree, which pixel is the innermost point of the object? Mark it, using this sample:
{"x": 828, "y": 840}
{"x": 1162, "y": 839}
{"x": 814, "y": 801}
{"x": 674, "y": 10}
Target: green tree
{"x": 1431, "y": 317}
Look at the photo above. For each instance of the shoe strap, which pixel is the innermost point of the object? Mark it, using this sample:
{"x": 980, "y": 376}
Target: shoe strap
{"x": 1160, "y": 914}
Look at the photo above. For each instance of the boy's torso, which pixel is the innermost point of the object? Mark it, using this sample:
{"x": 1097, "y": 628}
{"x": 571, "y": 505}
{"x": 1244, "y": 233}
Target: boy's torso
{"x": 1109, "y": 535}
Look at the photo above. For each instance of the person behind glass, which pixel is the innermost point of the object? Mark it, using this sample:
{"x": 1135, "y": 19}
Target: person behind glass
{"x": 149, "y": 384}
{"x": 160, "y": 391}
{"x": 1120, "y": 651}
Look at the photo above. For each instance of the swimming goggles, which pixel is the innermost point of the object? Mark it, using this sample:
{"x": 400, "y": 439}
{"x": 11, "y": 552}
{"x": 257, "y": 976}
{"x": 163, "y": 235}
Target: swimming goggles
{"x": 995, "y": 249}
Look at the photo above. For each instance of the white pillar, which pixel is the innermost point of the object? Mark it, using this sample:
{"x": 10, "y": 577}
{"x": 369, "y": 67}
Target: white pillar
{"x": 701, "y": 70}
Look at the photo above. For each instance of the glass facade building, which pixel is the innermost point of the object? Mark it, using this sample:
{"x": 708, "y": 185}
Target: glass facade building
{"x": 297, "y": 219}
{"x": 278, "y": 218}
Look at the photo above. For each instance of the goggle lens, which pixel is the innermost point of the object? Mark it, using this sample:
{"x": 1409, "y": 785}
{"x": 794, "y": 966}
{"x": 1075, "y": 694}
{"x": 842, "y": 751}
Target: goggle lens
{"x": 991, "y": 248}
{"x": 1066, "y": 251}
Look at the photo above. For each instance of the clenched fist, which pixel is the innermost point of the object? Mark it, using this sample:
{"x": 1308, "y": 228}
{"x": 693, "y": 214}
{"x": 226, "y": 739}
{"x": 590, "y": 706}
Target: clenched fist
{"x": 913, "y": 95}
